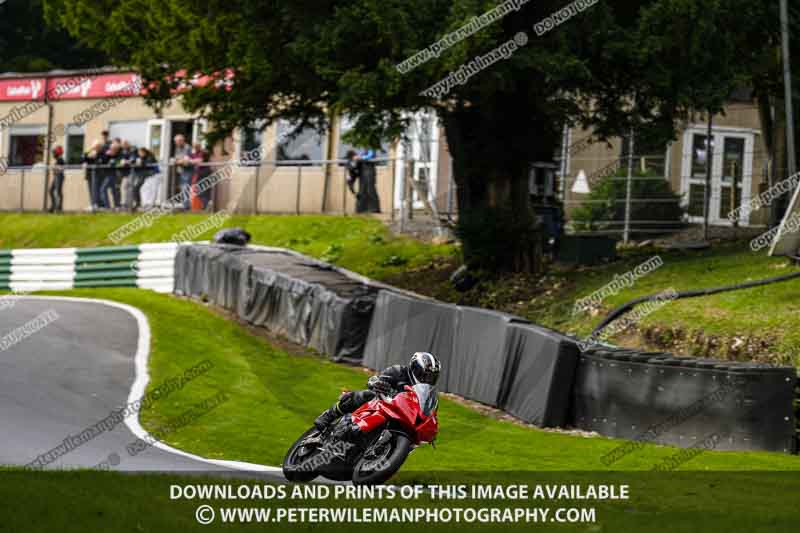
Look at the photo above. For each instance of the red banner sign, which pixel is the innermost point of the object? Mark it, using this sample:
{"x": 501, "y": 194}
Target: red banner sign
{"x": 80, "y": 86}
{"x": 22, "y": 90}
{"x": 91, "y": 86}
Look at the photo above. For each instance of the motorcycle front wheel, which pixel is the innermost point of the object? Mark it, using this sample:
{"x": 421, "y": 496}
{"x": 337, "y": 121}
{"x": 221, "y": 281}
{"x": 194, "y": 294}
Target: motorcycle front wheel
{"x": 297, "y": 465}
{"x": 382, "y": 459}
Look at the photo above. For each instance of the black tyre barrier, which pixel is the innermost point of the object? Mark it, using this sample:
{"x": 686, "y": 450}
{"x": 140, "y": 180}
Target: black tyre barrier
{"x": 681, "y": 401}
{"x": 538, "y": 375}
{"x": 402, "y": 325}
{"x": 482, "y": 355}
{"x": 307, "y": 301}
{"x": 533, "y": 373}
{"x": 490, "y": 357}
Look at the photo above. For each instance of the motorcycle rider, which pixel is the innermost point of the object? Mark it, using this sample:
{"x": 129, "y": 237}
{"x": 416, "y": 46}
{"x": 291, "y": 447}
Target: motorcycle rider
{"x": 422, "y": 368}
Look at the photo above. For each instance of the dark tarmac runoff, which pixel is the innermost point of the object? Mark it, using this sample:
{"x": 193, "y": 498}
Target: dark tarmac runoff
{"x": 64, "y": 373}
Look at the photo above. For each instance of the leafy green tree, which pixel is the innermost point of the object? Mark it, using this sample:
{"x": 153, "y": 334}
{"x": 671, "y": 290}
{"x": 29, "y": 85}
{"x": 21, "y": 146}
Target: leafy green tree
{"x": 27, "y": 44}
{"x": 616, "y": 65}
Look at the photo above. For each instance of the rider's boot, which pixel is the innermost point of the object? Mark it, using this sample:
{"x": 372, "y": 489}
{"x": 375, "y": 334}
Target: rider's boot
{"x": 328, "y": 417}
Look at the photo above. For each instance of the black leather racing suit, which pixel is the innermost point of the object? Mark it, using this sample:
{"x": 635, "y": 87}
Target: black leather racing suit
{"x": 396, "y": 376}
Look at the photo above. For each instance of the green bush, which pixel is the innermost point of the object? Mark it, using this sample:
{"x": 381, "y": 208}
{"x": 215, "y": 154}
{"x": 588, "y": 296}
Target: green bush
{"x": 604, "y": 208}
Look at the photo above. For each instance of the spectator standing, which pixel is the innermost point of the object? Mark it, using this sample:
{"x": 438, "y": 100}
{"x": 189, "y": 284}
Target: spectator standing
{"x": 57, "y": 187}
{"x": 352, "y": 170}
{"x": 106, "y": 141}
{"x": 145, "y": 167}
{"x": 91, "y": 161}
{"x": 127, "y": 158}
{"x": 184, "y": 168}
{"x": 367, "y": 200}
{"x": 114, "y": 161}
{"x": 201, "y": 158}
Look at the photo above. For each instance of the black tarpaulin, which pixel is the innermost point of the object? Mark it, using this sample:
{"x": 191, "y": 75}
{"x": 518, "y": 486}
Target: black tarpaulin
{"x": 402, "y": 325}
{"x": 481, "y": 356}
{"x": 305, "y": 300}
{"x": 486, "y": 356}
{"x": 538, "y": 375}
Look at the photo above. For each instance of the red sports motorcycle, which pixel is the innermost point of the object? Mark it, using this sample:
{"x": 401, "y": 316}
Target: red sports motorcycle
{"x": 390, "y": 428}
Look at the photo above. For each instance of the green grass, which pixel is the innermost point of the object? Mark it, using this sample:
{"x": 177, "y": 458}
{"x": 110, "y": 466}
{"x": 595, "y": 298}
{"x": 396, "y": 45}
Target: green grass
{"x": 274, "y": 397}
{"x": 769, "y": 312}
{"x": 362, "y": 244}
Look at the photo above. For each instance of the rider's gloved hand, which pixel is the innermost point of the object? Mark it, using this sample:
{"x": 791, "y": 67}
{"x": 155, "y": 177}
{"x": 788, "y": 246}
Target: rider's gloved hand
{"x": 376, "y": 384}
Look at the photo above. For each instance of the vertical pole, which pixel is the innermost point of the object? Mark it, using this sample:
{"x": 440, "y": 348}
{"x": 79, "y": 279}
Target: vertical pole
{"x": 735, "y": 175}
{"x": 403, "y": 189}
{"x": 787, "y": 89}
{"x": 344, "y": 192}
{"x": 410, "y": 189}
{"x": 255, "y": 192}
{"x": 450, "y": 182}
{"x": 564, "y": 155}
{"x": 22, "y": 190}
{"x": 627, "y": 232}
{"x": 394, "y": 185}
{"x": 299, "y": 178}
{"x": 709, "y": 159}
{"x": 48, "y": 146}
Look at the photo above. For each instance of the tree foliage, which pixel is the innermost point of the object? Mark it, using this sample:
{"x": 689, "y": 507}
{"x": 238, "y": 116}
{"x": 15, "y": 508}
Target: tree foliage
{"x": 619, "y": 64}
{"x": 27, "y": 44}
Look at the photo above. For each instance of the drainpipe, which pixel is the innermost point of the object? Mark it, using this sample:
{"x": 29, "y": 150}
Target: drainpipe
{"x": 48, "y": 142}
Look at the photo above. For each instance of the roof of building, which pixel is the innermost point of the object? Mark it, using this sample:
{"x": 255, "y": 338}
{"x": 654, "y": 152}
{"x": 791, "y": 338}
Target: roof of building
{"x": 62, "y": 72}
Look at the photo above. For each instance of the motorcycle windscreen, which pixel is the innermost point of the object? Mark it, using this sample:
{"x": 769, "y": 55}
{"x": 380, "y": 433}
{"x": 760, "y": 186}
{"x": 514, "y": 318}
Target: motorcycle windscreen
{"x": 428, "y": 398}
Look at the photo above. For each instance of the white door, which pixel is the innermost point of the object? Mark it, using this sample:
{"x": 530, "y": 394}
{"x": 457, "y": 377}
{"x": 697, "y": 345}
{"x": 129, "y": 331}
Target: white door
{"x": 199, "y": 132}
{"x": 732, "y": 163}
{"x": 158, "y": 138}
{"x": 157, "y": 141}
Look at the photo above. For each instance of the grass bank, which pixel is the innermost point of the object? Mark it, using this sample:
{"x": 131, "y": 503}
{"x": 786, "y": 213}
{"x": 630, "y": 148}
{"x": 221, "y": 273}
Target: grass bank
{"x": 361, "y": 244}
{"x": 274, "y": 397}
{"x": 758, "y": 323}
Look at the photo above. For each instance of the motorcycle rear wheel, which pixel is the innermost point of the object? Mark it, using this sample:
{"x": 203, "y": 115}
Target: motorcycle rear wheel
{"x": 380, "y": 461}
{"x": 291, "y": 462}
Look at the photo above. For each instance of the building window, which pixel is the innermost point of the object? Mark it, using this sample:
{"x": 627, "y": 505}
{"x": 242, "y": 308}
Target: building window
{"x": 133, "y": 131}
{"x": 297, "y": 146}
{"x": 697, "y": 198}
{"x": 346, "y": 125}
{"x": 650, "y": 155}
{"x": 26, "y": 146}
{"x": 250, "y": 143}
{"x": 700, "y": 155}
{"x": 75, "y": 143}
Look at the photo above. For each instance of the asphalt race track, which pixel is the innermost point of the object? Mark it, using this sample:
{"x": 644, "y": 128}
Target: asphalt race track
{"x": 72, "y": 373}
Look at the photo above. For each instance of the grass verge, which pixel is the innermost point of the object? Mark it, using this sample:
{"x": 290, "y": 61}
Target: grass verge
{"x": 274, "y": 397}
{"x": 758, "y": 323}
{"x": 361, "y": 244}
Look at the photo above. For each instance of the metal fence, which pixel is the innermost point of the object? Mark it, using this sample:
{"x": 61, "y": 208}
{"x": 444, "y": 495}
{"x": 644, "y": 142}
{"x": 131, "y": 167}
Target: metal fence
{"x": 284, "y": 186}
{"x": 651, "y": 195}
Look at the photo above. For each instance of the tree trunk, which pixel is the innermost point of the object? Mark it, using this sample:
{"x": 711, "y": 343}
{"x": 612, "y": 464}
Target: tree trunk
{"x": 497, "y": 226}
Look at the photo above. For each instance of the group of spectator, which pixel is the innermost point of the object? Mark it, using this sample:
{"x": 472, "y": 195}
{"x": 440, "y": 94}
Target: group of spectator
{"x": 112, "y": 163}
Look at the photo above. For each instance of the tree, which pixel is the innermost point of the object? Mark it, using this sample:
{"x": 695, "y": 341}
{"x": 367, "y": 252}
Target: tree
{"x": 27, "y": 44}
{"x": 302, "y": 59}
